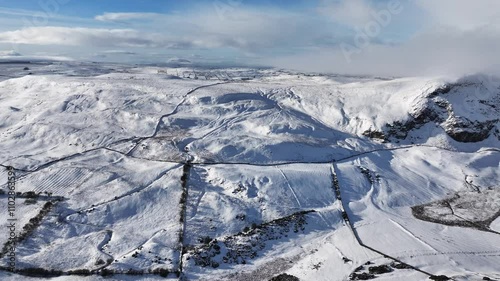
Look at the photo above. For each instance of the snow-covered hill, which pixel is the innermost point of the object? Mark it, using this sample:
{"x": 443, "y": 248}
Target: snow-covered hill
{"x": 246, "y": 174}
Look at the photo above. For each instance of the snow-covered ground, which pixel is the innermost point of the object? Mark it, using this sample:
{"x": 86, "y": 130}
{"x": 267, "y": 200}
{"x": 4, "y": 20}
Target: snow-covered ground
{"x": 246, "y": 174}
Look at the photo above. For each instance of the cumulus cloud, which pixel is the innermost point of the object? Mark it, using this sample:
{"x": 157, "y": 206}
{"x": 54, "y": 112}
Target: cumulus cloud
{"x": 67, "y": 36}
{"x": 246, "y": 29}
{"x": 445, "y": 36}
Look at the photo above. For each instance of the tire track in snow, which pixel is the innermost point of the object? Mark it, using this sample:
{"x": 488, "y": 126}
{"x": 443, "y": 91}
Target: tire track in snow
{"x": 290, "y": 187}
{"x": 476, "y": 253}
{"x": 194, "y": 211}
{"x": 325, "y": 220}
{"x": 398, "y": 225}
{"x": 355, "y": 232}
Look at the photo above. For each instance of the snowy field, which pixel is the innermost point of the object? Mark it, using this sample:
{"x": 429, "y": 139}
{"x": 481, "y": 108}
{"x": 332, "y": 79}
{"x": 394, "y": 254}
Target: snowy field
{"x": 142, "y": 173}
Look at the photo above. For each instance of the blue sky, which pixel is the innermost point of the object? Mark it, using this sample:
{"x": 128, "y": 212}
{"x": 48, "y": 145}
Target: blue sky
{"x": 89, "y": 8}
{"x": 351, "y": 36}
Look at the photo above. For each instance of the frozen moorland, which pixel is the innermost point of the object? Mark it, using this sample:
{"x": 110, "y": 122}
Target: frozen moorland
{"x": 149, "y": 172}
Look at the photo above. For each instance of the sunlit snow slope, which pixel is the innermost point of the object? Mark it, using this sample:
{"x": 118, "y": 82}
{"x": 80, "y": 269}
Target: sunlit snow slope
{"x": 244, "y": 174}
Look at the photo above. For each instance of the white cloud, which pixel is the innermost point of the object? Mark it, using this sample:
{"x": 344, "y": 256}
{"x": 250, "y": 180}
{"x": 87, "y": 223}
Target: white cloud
{"x": 15, "y": 12}
{"x": 245, "y": 29}
{"x": 11, "y": 19}
{"x": 462, "y": 14}
{"x": 9, "y": 58}
{"x": 353, "y": 13}
{"x": 119, "y": 52}
{"x": 126, "y": 16}
{"x": 446, "y": 35}
{"x": 444, "y": 52}
{"x": 10, "y": 53}
{"x": 66, "y": 36}
{"x": 453, "y": 37}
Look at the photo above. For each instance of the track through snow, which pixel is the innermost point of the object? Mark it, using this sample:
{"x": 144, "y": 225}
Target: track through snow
{"x": 102, "y": 246}
{"x": 290, "y": 187}
{"x": 356, "y": 234}
{"x": 174, "y": 111}
{"x": 240, "y": 192}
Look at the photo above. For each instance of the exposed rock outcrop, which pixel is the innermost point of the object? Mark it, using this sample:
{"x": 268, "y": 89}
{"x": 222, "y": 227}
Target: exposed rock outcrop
{"x": 436, "y": 107}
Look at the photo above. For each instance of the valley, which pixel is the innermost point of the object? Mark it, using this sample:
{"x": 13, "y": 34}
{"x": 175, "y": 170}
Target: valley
{"x": 251, "y": 173}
